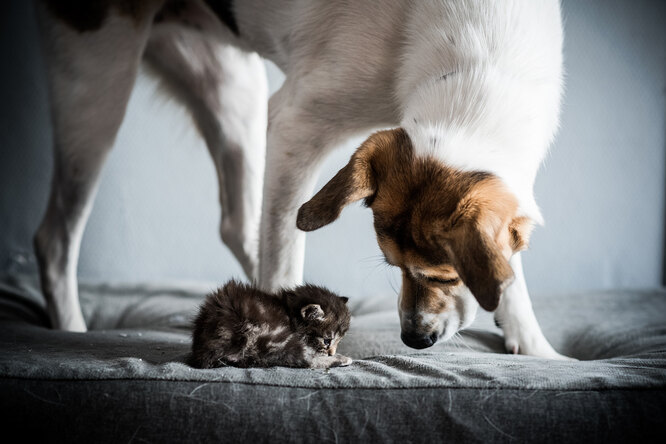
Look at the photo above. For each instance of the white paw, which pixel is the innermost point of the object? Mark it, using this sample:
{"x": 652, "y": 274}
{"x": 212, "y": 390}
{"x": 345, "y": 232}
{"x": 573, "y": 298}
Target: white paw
{"x": 325, "y": 361}
{"x": 532, "y": 345}
{"x": 528, "y": 340}
{"x": 344, "y": 361}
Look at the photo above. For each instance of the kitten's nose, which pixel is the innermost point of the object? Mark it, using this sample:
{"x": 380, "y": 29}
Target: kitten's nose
{"x": 331, "y": 350}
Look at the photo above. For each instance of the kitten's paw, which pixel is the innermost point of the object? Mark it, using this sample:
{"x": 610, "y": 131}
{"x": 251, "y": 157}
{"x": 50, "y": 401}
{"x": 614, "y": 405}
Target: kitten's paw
{"x": 330, "y": 361}
{"x": 343, "y": 361}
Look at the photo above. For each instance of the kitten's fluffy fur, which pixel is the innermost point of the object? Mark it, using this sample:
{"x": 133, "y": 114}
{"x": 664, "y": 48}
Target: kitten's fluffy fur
{"x": 242, "y": 326}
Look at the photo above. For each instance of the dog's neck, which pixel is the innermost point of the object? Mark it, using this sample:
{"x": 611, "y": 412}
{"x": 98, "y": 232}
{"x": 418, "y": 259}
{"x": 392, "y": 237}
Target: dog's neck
{"x": 477, "y": 105}
{"x": 467, "y": 129}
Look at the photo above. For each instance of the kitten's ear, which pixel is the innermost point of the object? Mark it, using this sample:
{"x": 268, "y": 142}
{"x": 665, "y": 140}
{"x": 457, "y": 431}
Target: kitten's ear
{"x": 312, "y": 312}
{"x": 344, "y": 299}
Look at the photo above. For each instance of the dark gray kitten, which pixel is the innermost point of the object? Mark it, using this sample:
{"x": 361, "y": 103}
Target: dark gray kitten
{"x": 241, "y": 326}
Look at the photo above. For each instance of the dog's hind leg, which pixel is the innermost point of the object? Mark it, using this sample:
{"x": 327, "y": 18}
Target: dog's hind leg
{"x": 91, "y": 68}
{"x": 515, "y": 316}
{"x": 226, "y": 91}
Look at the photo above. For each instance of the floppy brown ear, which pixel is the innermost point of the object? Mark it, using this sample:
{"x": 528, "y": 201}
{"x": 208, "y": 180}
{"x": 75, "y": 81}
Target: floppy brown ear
{"x": 480, "y": 264}
{"x": 352, "y": 183}
{"x": 520, "y": 229}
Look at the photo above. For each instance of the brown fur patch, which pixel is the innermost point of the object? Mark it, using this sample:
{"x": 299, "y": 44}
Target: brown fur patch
{"x": 428, "y": 217}
{"x": 481, "y": 264}
{"x": 421, "y": 296}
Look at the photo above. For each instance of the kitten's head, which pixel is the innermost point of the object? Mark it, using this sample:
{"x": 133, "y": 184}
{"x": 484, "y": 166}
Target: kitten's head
{"x": 320, "y": 315}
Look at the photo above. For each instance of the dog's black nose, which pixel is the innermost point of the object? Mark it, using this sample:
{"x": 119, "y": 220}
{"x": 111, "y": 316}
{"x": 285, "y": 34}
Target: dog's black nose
{"x": 418, "y": 341}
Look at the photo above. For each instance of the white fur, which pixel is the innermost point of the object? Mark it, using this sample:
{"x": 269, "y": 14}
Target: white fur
{"x": 351, "y": 66}
{"x": 497, "y": 108}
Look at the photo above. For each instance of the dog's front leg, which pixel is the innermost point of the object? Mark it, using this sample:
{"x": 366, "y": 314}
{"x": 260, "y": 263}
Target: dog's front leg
{"x": 515, "y": 316}
{"x": 297, "y": 143}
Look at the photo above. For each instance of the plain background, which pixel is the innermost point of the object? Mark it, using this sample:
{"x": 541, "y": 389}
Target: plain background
{"x": 601, "y": 189}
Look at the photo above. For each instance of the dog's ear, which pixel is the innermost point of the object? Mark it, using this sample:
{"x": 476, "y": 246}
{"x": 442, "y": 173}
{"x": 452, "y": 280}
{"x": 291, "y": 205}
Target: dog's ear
{"x": 356, "y": 181}
{"x": 476, "y": 242}
{"x": 480, "y": 264}
{"x": 520, "y": 230}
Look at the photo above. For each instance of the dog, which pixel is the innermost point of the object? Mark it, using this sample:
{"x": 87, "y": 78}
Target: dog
{"x": 463, "y": 98}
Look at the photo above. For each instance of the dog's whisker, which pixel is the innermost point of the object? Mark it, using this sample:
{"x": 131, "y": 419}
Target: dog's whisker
{"x": 454, "y": 341}
{"x": 462, "y": 341}
{"x": 393, "y": 285}
{"x": 374, "y": 257}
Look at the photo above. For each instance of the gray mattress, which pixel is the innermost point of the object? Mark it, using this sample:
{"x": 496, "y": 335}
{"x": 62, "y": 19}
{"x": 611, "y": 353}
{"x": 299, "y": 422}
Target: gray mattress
{"x": 125, "y": 380}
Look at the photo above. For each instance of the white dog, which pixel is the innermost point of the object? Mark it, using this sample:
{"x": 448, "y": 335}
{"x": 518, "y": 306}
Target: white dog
{"x": 471, "y": 90}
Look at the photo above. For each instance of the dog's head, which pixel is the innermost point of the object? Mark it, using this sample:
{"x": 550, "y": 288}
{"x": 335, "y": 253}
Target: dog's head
{"x": 450, "y": 232}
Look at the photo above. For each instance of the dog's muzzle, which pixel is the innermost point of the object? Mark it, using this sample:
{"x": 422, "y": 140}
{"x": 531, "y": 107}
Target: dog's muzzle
{"x": 418, "y": 341}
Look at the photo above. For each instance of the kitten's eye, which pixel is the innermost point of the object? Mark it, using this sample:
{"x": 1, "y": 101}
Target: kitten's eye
{"x": 327, "y": 342}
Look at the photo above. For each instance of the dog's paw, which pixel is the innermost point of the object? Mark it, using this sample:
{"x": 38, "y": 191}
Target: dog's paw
{"x": 531, "y": 343}
{"x": 543, "y": 350}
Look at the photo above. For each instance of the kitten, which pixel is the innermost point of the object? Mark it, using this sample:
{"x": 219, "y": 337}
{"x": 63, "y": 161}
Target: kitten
{"x": 241, "y": 326}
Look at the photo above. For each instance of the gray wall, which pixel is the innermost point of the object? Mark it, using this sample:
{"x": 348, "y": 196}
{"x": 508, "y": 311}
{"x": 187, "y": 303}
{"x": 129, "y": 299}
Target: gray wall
{"x": 601, "y": 188}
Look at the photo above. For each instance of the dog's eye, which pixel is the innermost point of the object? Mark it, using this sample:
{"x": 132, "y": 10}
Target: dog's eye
{"x": 443, "y": 281}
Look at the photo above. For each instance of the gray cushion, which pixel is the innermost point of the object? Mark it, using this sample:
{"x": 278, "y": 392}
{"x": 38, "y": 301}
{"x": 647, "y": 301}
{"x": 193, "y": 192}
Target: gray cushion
{"x": 127, "y": 375}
